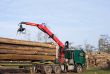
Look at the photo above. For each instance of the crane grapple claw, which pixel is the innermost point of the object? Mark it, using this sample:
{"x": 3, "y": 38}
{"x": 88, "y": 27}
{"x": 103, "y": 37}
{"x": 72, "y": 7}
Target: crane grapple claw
{"x": 21, "y": 29}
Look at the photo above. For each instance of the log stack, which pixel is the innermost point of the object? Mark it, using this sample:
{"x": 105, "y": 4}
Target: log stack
{"x": 20, "y": 50}
{"x": 98, "y": 59}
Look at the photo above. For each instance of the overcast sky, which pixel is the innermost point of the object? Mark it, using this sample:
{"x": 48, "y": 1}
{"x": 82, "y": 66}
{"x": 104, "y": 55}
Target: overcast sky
{"x": 77, "y": 21}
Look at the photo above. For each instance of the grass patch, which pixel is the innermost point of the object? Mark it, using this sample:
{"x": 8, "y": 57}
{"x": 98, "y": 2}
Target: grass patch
{"x": 96, "y": 71}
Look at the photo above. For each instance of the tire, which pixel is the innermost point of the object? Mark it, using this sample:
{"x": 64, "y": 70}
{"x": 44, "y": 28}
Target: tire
{"x": 47, "y": 69}
{"x": 57, "y": 69}
{"x": 79, "y": 69}
{"x": 84, "y": 68}
{"x": 34, "y": 69}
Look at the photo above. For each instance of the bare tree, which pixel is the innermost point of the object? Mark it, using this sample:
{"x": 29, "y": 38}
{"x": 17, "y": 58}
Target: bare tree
{"x": 42, "y": 37}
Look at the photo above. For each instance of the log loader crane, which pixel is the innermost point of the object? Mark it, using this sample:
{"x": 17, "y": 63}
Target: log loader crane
{"x": 68, "y": 59}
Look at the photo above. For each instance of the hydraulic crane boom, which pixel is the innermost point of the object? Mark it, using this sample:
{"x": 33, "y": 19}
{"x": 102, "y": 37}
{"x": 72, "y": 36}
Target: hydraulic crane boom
{"x": 47, "y": 31}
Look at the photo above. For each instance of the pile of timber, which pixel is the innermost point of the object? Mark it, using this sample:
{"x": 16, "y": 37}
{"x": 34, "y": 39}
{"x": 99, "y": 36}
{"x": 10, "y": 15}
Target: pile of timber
{"x": 98, "y": 59}
{"x": 20, "y": 50}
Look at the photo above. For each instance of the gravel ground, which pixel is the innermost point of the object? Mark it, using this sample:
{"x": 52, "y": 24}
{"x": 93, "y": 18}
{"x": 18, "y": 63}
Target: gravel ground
{"x": 19, "y": 71}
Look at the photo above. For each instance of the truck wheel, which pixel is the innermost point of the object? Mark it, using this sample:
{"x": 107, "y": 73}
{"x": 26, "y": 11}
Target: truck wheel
{"x": 47, "y": 69}
{"x": 34, "y": 69}
{"x": 57, "y": 69}
{"x": 84, "y": 68}
{"x": 79, "y": 69}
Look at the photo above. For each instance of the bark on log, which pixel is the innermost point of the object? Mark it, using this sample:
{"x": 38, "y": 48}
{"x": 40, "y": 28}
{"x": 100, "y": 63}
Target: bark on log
{"x": 15, "y": 57}
{"x": 27, "y": 48}
{"x": 19, "y": 50}
{"x": 28, "y": 43}
{"x": 5, "y": 51}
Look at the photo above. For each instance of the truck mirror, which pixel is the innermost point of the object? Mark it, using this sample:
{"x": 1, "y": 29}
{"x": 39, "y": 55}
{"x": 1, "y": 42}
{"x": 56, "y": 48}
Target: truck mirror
{"x": 66, "y": 44}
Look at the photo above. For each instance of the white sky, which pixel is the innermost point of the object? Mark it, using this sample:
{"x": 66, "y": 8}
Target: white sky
{"x": 74, "y": 20}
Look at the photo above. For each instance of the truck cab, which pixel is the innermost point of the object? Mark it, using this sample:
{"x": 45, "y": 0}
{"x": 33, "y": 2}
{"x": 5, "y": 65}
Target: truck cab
{"x": 75, "y": 60}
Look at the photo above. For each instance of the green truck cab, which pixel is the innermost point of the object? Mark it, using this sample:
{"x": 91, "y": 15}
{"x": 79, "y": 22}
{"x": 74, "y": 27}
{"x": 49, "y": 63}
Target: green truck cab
{"x": 75, "y": 60}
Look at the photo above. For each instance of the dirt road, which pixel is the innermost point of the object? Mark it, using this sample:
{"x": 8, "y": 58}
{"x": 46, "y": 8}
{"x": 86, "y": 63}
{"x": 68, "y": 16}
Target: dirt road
{"x": 19, "y": 71}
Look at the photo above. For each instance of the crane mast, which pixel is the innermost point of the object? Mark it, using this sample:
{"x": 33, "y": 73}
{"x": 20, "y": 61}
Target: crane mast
{"x": 43, "y": 28}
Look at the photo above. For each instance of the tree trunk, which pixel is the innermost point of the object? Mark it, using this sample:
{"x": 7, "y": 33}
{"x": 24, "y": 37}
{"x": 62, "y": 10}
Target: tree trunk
{"x": 27, "y": 48}
{"x": 16, "y": 57}
{"x": 5, "y": 51}
{"x": 19, "y": 50}
{"x": 28, "y": 43}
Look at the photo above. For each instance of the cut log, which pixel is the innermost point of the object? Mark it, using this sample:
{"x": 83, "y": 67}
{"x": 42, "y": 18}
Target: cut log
{"x": 5, "y": 51}
{"x": 20, "y": 50}
{"x": 27, "y": 48}
{"x": 28, "y": 43}
{"x": 15, "y": 57}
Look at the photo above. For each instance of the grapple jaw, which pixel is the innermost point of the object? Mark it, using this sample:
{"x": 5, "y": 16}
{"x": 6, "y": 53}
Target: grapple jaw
{"x": 21, "y": 29}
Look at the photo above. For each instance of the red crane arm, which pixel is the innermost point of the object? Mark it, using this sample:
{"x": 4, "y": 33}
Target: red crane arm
{"x": 47, "y": 31}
